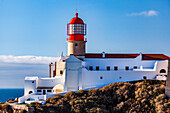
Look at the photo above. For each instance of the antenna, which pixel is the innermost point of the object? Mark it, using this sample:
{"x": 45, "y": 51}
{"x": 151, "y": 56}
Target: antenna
{"x": 76, "y": 5}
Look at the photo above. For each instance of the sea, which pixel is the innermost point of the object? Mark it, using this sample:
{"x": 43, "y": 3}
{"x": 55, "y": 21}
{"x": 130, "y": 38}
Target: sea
{"x": 6, "y": 94}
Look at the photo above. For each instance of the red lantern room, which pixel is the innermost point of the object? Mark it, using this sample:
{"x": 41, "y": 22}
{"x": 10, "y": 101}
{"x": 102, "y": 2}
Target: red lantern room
{"x": 76, "y": 29}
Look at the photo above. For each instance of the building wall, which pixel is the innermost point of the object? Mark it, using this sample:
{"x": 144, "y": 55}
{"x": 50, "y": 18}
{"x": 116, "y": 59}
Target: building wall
{"x": 162, "y": 64}
{"x": 78, "y": 50}
{"x": 60, "y": 66}
{"x": 76, "y": 73}
{"x": 43, "y": 82}
{"x": 34, "y": 98}
{"x": 30, "y": 85}
{"x": 122, "y": 63}
{"x": 50, "y": 82}
{"x": 73, "y": 67}
{"x": 93, "y": 78}
{"x": 167, "y": 89}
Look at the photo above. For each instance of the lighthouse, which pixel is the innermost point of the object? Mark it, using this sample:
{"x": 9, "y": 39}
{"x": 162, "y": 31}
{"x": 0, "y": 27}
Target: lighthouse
{"x": 76, "y": 30}
{"x": 81, "y": 70}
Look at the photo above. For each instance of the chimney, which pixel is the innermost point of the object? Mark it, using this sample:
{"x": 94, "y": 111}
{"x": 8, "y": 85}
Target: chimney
{"x": 103, "y": 54}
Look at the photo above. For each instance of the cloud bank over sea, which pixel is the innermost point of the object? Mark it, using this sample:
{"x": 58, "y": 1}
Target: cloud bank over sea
{"x": 27, "y": 59}
{"x": 13, "y": 69}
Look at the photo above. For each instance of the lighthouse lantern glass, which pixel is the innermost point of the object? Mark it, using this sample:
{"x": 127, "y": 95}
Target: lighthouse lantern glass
{"x": 76, "y": 29}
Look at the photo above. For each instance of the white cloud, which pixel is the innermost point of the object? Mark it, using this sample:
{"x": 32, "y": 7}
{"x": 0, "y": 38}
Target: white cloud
{"x": 27, "y": 59}
{"x": 144, "y": 13}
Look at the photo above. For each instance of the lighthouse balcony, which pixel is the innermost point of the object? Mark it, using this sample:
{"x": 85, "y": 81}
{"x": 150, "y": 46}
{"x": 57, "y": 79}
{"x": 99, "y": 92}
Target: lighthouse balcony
{"x": 85, "y": 39}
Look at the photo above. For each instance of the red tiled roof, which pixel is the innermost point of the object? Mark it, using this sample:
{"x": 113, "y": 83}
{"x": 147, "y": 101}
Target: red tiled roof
{"x": 93, "y": 55}
{"x": 99, "y": 55}
{"x": 44, "y": 87}
{"x": 155, "y": 57}
{"x": 144, "y": 56}
{"x": 121, "y": 55}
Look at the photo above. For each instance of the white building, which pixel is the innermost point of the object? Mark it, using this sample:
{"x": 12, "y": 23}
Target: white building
{"x": 80, "y": 70}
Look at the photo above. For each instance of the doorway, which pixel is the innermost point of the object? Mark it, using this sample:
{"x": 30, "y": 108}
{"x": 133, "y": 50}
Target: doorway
{"x": 44, "y": 91}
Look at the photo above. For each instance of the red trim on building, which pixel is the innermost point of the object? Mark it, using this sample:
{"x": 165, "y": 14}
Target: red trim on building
{"x": 93, "y": 55}
{"x": 155, "y": 57}
{"x": 99, "y": 55}
{"x": 121, "y": 55}
{"x": 144, "y": 56}
{"x": 76, "y": 37}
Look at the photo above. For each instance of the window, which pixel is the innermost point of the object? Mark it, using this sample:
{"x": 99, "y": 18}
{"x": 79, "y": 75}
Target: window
{"x": 162, "y": 71}
{"x": 76, "y": 44}
{"x": 28, "y": 99}
{"x": 135, "y": 67}
{"x": 32, "y": 81}
{"x": 144, "y": 77}
{"x": 76, "y": 29}
{"x": 108, "y": 68}
{"x": 101, "y": 77}
{"x": 115, "y": 68}
{"x": 97, "y": 68}
{"x": 127, "y": 68}
{"x": 120, "y": 77}
{"x": 90, "y": 67}
{"x": 38, "y": 90}
{"x": 61, "y": 72}
{"x": 30, "y": 92}
{"x": 49, "y": 90}
{"x": 54, "y": 73}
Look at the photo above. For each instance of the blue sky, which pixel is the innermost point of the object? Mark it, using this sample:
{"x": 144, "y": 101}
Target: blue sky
{"x": 38, "y": 28}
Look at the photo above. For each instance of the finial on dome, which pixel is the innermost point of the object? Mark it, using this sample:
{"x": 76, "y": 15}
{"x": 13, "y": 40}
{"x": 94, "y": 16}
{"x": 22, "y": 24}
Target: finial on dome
{"x": 76, "y": 14}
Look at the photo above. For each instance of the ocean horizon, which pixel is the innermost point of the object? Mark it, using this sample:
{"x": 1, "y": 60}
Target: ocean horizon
{"x": 10, "y": 93}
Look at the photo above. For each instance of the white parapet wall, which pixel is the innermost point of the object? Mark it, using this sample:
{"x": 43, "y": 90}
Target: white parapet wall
{"x": 32, "y": 98}
{"x": 51, "y": 82}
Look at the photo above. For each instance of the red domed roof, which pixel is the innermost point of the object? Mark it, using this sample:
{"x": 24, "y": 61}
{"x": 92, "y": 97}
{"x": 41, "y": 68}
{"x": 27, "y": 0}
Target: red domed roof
{"x": 76, "y": 20}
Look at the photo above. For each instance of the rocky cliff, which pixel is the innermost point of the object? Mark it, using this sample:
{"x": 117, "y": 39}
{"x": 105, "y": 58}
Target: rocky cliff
{"x": 144, "y": 96}
{"x": 134, "y": 97}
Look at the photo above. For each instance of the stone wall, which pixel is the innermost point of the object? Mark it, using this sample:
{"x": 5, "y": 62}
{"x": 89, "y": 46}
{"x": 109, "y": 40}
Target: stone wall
{"x": 167, "y": 89}
{"x": 20, "y": 108}
{"x": 77, "y": 48}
